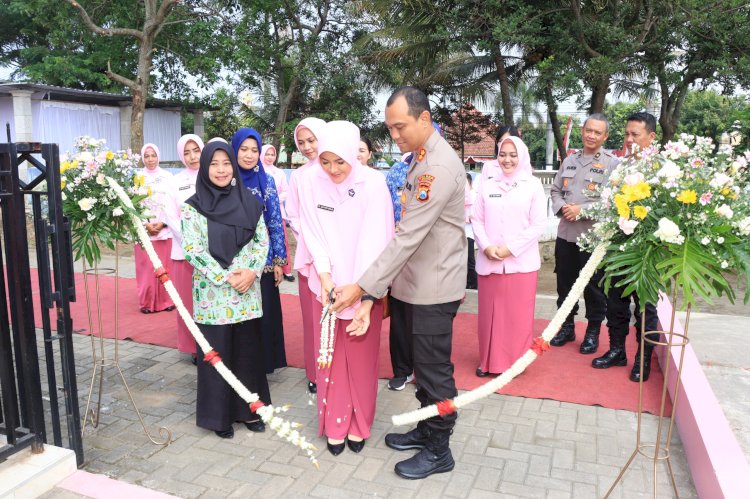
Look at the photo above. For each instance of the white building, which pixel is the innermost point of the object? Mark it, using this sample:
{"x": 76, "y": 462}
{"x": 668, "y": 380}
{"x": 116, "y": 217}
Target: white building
{"x": 50, "y": 114}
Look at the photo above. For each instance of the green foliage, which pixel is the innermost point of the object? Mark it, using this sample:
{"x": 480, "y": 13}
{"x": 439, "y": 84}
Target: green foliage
{"x": 224, "y": 119}
{"x": 710, "y": 114}
{"x": 617, "y": 114}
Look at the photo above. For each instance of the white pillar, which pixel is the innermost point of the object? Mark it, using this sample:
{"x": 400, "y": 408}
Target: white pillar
{"x": 126, "y": 113}
{"x": 198, "y": 128}
{"x": 23, "y": 123}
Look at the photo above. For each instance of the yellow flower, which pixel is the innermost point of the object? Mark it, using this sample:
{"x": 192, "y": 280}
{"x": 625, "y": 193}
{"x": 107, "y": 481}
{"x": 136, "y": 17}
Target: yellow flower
{"x": 640, "y": 211}
{"x": 148, "y": 192}
{"x": 627, "y": 193}
{"x": 124, "y": 156}
{"x": 725, "y": 191}
{"x": 688, "y": 197}
{"x": 623, "y": 208}
{"x": 110, "y": 156}
{"x": 641, "y": 190}
{"x": 62, "y": 184}
{"x": 65, "y": 166}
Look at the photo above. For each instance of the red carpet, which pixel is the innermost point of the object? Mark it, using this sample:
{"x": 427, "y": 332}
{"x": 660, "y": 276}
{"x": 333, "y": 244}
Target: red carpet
{"x": 561, "y": 374}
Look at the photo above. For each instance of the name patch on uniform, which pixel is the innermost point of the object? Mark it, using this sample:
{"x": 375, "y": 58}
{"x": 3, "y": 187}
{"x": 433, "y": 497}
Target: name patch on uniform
{"x": 571, "y": 167}
{"x": 600, "y": 171}
{"x": 408, "y": 186}
{"x": 184, "y": 187}
{"x": 423, "y": 187}
{"x": 323, "y": 207}
{"x": 496, "y": 195}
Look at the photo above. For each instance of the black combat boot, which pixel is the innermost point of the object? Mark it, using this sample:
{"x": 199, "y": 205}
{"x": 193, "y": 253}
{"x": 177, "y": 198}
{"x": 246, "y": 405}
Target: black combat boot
{"x": 590, "y": 343}
{"x": 635, "y": 373}
{"x": 615, "y": 356}
{"x": 566, "y": 333}
{"x": 413, "y": 439}
{"x": 436, "y": 457}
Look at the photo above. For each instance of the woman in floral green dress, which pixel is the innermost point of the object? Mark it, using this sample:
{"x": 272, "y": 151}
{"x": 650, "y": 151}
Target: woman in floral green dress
{"x": 226, "y": 241}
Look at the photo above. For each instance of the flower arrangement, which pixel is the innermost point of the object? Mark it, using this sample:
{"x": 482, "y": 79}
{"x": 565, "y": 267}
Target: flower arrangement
{"x": 94, "y": 211}
{"x": 675, "y": 218}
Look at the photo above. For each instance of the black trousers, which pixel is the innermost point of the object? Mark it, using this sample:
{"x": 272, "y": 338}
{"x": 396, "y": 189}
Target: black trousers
{"x": 569, "y": 260}
{"x": 618, "y": 312}
{"x": 239, "y": 345}
{"x": 471, "y": 267}
{"x": 271, "y": 324}
{"x": 431, "y": 329}
{"x": 402, "y": 360}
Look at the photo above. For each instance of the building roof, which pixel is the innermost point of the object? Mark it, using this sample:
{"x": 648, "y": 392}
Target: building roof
{"x": 484, "y": 149}
{"x": 53, "y": 92}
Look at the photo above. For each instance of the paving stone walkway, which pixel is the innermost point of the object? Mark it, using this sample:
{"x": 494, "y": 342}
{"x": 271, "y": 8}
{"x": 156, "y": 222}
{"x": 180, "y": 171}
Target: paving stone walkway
{"x": 503, "y": 446}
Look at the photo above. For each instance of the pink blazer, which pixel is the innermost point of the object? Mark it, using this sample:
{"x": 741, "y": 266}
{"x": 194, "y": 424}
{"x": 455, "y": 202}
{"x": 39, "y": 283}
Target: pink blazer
{"x": 302, "y": 258}
{"x": 345, "y": 226}
{"x": 516, "y": 217}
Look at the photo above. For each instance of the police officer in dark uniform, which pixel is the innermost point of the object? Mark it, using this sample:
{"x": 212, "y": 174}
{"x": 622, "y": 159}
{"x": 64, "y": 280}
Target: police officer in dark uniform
{"x": 575, "y": 187}
{"x": 640, "y": 131}
{"x": 426, "y": 264}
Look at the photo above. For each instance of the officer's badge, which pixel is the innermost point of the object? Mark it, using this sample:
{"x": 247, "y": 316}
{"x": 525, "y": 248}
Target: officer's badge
{"x": 423, "y": 187}
{"x": 422, "y": 154}
{"x": 596, "y": 156}
{"x": 592, "y": 186}
{"x": 351, "y": 193}
{"x": 565, "y": 183}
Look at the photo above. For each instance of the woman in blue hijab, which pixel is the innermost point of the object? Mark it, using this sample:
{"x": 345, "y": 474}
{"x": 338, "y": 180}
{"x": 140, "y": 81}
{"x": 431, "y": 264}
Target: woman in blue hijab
{"x": 247, "y": 143}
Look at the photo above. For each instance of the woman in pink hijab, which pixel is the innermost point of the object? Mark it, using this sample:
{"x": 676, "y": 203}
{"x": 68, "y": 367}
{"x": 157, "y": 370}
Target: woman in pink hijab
{"x": 508, "y": 218}
{"x": 268, "y": 157}
{"x": 306, "y": 137}
{"x": 152, "y": 297}
{"x": 346, "y": 221}
{"x": 189, "y": 149}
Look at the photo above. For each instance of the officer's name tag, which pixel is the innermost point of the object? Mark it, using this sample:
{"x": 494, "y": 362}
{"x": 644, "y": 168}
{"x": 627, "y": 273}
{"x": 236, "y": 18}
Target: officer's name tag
{"x": 496, "y": 195}
{"x": 323, "y": 207}
{"x": 184, "y": 188}
{"x": 408, "y": 186}
{"x": 571, "y": 167}
{"x": 597, "y": 170}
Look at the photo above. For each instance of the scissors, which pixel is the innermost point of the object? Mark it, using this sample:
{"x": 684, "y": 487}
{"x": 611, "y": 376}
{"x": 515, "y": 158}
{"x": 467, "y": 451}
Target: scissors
{"x": 327, "y": 308}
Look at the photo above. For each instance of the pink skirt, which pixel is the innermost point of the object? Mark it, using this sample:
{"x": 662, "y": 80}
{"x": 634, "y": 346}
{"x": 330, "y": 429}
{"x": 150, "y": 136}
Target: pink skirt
{"x": 306, "y": 302}
{"x": 151, "y": 293}
{"x": 182, "y": 278}
{"x": 348, "y": 388}
{"x": 505, "y": 319}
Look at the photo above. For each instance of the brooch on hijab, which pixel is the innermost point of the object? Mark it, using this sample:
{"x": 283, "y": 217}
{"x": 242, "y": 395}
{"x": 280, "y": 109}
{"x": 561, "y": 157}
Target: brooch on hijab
{"x": 233, "y": 182}
{"x": 351, "y": 192}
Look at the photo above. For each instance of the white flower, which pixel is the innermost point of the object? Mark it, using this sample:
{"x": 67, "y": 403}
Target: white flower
{"x": 86, "y": 203}
{"x": 670, "y": 171}
{"x": 705, "y": 241}
{"x": 85, "y": 157}
{"x": 117, "y": 212}
{"x": 90, "y": 216}
{"x": 669, "y": 232}
{"x": 724, "y": 211}
{"x": 634, "y": 178}
{"x": 720, "y": 240}
{"x": 744, "y": 226}
{"x": 100, "y": 179}
{"x": 627, "y": 226}
{"x": 724, "y": 264}
{"x": 720, "y": 180}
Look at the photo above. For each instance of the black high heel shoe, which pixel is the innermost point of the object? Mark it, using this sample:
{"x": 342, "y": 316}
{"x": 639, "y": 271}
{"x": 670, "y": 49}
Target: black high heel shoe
{"x": 355, "y": 446}
{"x": 312, "y": 387}
{"x": 482, "y": 374}
{"x": 335, "y": 449}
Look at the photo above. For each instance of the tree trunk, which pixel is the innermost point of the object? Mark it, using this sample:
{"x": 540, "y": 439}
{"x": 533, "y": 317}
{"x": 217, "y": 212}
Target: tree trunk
{"x": 502, "y": 77}
{"x": 599, "y": 93}
{"x": 139, "y": 94}
{"x": 671, "y": 104}
{"x": 552, "y": 110}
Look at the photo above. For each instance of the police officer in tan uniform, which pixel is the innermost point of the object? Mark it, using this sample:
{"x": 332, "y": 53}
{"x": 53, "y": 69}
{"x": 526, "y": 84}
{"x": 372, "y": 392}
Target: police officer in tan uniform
{"x": 575, "y": 187}
{"x": 425, "y": 264}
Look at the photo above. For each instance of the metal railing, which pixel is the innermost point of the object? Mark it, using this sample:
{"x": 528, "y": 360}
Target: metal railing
{"x": 23, "y": 399}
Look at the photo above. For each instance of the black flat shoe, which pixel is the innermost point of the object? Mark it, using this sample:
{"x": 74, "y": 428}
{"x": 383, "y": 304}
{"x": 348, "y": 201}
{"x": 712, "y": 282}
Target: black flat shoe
{"x": 482, "y": 374}
{"x": 194, "y": 361}
{"x": 225, "y": 433}
{"x": 355, "y": 446}
{"x": 289, "y": 278}
{"x": 335, "y": 449}
{"x": 169, "y": 309}
{"x": 257, "y": 426}
{"x": 312, "y": 387}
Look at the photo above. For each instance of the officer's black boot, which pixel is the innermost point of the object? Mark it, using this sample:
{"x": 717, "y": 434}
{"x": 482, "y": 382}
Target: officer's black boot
{"x": 635, "y": 373}
{"x": 436, "y": 457}
{"x": 413, "y": 439}
{"x": 590, "y": 343}
{"x": 615, "y": 356}
{"x": 566, "y": 333}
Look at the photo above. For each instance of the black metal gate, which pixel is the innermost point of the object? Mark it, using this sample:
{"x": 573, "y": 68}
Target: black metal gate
{"x": 25, "y": 415}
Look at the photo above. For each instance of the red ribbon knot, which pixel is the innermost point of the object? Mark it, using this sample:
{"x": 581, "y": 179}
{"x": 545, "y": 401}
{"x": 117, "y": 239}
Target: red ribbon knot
{"x": 446, "y": 407}
{"x": 256, "y": 405}
{"x": 212, "y": 357}
{"x": 162, "y": 274}
{"x": 539, "y": 345}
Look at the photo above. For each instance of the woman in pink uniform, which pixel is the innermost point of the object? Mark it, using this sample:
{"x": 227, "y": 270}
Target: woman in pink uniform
{"x": 268, "y": 158}
{"x": 189, "y": 149}
{"x": 508, "y": 218}
{"x": 152, "y": 297}
{"x": 346, "y": 221}
{"x": 306, "y": 137}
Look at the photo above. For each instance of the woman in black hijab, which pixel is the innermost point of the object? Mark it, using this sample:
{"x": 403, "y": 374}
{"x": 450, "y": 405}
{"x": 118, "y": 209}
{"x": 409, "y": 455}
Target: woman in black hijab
{"x": 226, "y": 241}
